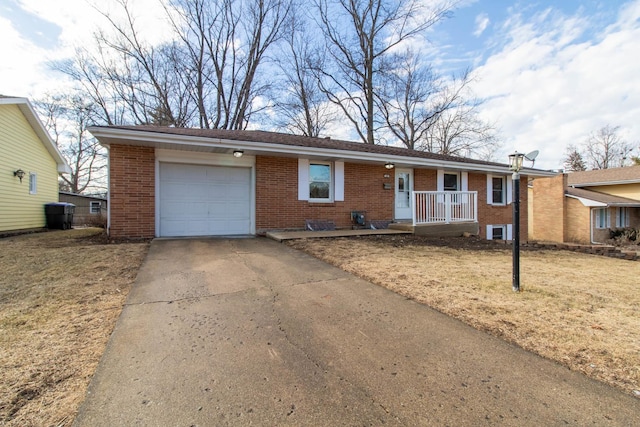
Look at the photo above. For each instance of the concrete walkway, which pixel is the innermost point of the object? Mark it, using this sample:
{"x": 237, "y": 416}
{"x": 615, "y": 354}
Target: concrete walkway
{"x": 250, "y": 332}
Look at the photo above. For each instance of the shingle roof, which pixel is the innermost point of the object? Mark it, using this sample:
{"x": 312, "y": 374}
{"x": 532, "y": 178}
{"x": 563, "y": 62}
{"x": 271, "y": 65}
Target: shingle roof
{"x": 630, "y": 174}
{"x": 607, "y": 199}
{"x": 302, "y": 141}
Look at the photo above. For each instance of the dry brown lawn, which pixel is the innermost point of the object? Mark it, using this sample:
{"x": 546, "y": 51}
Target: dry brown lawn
{"x": 582, "y": 311}
{"x": 60, "y": 295}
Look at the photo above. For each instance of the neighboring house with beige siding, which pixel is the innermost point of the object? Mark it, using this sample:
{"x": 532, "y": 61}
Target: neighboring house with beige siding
{"x": 29, "y": 167}
{"x": 584, "y": 207}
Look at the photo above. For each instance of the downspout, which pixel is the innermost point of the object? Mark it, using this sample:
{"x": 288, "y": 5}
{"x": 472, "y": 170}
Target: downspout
{"x": 108, "y": 192}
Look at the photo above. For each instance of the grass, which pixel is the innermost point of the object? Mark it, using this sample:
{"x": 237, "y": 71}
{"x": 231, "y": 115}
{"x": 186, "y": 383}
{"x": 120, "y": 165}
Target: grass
{"x": 580, "y": 310}
{"x": 60, "y": 295}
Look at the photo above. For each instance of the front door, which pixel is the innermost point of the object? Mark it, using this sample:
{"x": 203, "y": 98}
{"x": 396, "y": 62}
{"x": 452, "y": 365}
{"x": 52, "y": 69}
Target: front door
{"x": 404, "y": 187}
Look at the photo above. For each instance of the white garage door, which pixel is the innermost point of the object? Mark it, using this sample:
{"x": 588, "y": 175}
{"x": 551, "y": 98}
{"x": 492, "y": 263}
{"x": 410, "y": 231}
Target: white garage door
{"x": 198, "y": 200}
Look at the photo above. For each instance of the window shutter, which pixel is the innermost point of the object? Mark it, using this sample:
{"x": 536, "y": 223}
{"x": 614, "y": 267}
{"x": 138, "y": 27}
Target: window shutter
{"x": 489, "y": 189}
{"x": 509, "y": 189}
{"x": 464, "y": 177}
{"x": 509, "y": 232}
{"x": 303, "y": 179}
{"x": 489, "y": 232}
{"x": 339, "y": 181}
{"x": 440, "y": 180}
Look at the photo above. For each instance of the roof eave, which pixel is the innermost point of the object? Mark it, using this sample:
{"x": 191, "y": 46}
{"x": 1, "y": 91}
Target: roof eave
{"x": 138, "y": 137}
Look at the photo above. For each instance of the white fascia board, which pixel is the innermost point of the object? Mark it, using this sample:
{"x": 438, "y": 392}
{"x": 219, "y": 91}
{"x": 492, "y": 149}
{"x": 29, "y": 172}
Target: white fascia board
{"x": 150, "y": 138}
{"x": 588, "y": 202}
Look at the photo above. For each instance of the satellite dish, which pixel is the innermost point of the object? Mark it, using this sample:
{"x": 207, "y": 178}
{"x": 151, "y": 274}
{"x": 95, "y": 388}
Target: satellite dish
{"x": 532, "y": 155}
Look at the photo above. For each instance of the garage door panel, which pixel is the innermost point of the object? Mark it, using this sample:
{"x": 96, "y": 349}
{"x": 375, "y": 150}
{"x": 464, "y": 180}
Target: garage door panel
{"x": 197, "y": 200}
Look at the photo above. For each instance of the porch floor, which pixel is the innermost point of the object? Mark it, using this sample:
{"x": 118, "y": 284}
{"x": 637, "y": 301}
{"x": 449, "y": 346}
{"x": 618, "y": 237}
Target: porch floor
{"x": 290, "y": 235}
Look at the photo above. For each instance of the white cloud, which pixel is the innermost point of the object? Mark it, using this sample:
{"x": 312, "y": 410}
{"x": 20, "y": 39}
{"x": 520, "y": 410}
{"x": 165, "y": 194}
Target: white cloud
{"x": 548, "y": 87}
{"x": 28, "y": 74}
{"x": 482, "y": 22}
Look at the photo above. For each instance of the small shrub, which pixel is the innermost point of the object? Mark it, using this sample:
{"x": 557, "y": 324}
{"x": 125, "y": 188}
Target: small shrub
{"x": 625, "y": 236}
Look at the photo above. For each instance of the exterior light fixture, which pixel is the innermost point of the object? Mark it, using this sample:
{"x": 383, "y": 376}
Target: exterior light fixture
{"x": 238, "y": 153}
{"x": 389, "y": 165}
{"x": 515, "y": 165}
{"x": 19, "y": 173}
{"x": 515, "y": 161}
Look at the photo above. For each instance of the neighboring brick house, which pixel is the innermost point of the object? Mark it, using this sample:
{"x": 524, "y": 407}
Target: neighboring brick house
{"x": 204, "y": 182}
{"x": 583, "y": 207}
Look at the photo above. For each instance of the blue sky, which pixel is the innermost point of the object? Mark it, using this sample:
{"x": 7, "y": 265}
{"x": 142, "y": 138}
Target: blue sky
{"x": 550, "y": 72}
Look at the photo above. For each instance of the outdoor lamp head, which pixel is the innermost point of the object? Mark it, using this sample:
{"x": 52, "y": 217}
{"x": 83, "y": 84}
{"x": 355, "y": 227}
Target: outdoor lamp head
{"x": 515, "y": 161}
{"x": 19, "y": 173}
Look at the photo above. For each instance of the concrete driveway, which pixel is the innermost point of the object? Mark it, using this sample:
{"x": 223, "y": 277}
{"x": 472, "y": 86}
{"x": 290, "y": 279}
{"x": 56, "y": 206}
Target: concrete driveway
{"x": 251, "y": 332}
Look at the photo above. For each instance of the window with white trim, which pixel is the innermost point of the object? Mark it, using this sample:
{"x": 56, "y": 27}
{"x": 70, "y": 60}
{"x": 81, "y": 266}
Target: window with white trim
{"x": 622, "y": 217}
{"x": 95, "y": 207}
{"x": 499, "y": 232}
{"x": 320, "y": 184}
{"x": 498, "y": 190}
{"x": 33, "y": 183}
{"x": 451, "y": 182}
{"x": 603, "y": 220}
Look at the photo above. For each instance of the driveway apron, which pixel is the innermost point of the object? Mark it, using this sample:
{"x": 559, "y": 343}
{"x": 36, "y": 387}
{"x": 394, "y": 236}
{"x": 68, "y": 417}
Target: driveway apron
{"x": 242, "y": 332}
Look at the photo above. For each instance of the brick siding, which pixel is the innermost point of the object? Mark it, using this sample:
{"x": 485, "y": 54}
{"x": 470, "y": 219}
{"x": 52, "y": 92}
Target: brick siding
{"x": 132, "y": 191}
{"x": 278, "y": 207}
{"x": 577, "y": 218}
{"x": 549, "y": 209}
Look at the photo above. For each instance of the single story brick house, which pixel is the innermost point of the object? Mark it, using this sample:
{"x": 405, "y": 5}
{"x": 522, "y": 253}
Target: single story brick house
{"x": 583, "y": 207}
{"x": 171, "y": 182}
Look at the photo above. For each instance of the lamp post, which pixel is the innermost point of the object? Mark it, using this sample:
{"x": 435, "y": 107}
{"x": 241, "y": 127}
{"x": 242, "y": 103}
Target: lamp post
{"x": 515, "y": 164}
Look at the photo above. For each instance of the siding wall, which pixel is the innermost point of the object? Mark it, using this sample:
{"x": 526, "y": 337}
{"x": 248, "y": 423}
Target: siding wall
{"x": 82, "y": 213}
{"x": 20, "y": 148}
{"x": 630, "y": 191}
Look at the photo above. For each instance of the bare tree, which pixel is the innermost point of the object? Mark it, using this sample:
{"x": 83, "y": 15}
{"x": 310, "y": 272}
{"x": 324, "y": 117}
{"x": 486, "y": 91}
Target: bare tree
{"x": 226, "y": 42}
{"x": 605, "y": 149}
{"x": 303, "y": 108}
{"x": 573, "y": 161}
{"x": 206, "y": 75}
{"x": 359, "y": 35}
{"x": 66, "y": 117}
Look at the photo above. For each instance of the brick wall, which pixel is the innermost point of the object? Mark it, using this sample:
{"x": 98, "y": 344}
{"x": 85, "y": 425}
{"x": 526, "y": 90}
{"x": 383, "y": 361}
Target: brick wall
{"x": 549, "y": 209}
{"x": 132, "y": 191}
{"x": 278, "y": 207}
{"x": 578, "y": 222}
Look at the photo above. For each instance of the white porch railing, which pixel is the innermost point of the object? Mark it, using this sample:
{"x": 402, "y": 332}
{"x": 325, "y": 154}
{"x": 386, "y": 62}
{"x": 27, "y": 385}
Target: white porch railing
{"x": 444, "y": 207}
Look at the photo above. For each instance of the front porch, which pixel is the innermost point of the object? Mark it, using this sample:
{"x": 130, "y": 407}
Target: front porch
{"x": 434, "y": 213}
{"x": 442, "y": 214}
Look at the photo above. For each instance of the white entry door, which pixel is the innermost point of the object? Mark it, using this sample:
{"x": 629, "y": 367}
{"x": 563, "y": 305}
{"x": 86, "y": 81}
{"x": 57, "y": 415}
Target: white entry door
{"x": 404, "y": 187}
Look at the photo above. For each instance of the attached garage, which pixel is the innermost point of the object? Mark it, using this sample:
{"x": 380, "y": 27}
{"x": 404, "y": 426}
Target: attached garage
{"x": 204, "y": 200}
